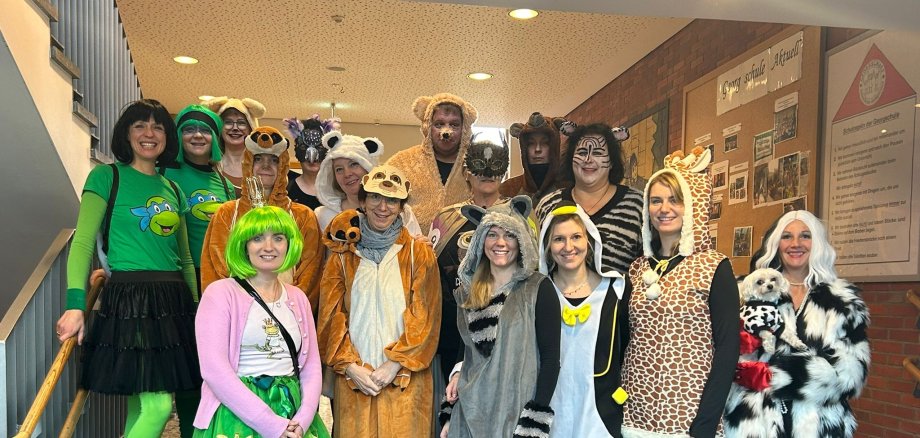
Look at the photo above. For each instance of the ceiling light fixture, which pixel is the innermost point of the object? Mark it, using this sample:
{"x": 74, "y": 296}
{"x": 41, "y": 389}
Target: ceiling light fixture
{"x": 185, "y": 60}
{"x": 205, "y": 98}
{"x": 479, "y": 76}
{"x": 523, "y": 14}
{"x": 335, "y": 68}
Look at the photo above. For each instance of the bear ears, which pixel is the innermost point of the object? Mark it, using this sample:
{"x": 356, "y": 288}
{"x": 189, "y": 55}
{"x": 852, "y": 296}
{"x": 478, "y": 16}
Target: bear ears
{"x": 334, "y": 139}
{"x": 538, "y": 121}
{"x": 422, "y": 104}
{"x": 520, "y": 204}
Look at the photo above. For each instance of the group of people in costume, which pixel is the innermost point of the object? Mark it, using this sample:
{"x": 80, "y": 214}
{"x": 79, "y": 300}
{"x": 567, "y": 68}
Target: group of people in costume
{"x": 428, "y": 297}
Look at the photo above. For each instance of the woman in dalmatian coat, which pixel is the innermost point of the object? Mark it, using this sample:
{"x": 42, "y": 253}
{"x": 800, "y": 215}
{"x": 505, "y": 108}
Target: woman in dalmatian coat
{"x": 809, "y": 391}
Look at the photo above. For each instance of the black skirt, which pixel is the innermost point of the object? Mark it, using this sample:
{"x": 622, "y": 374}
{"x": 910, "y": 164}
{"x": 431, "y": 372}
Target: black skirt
{"x": 143, "y": 337}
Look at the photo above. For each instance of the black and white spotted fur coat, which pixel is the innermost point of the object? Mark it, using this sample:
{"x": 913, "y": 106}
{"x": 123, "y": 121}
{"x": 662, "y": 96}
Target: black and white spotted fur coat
{"x": 818, "y": 382}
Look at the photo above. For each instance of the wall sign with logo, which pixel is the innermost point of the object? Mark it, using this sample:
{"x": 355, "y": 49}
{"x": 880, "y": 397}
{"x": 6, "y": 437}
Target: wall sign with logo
{"x": 871, "y": 198}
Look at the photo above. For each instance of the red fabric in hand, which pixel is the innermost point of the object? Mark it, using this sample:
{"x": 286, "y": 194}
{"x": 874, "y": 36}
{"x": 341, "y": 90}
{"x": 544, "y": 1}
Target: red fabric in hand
{"x": 749, "y": 342}
{"x": 753, "y": 375}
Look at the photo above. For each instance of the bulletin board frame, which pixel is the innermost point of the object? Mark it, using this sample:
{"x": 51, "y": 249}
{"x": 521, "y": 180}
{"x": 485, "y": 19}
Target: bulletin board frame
{"x": 764, "y": 150}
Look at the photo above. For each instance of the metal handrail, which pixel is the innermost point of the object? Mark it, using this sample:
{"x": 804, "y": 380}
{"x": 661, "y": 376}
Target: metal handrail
{"x": 54, "y": 374}
{"x": 28, "y": 290}
{"x": 913, "y": 298}
{"x": 911, "y": 367}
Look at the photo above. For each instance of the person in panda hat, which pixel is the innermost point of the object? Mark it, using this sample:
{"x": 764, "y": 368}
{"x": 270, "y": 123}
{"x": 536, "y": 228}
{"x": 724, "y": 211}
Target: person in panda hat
{"x": 348, "y": 159}
{"x": 594, "y": 330}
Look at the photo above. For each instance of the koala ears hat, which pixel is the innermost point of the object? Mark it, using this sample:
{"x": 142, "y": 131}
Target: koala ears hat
{"x": 251, "y": 108}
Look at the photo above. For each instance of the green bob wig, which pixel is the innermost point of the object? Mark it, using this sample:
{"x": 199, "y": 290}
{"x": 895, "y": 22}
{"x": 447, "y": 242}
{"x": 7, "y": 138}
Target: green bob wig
{"x": 254, "y": 223}
{"x": 198, "y": 115}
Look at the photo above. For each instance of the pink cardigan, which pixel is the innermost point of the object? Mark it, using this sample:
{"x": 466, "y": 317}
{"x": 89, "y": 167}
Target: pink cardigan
{"x": 222, "y": 313}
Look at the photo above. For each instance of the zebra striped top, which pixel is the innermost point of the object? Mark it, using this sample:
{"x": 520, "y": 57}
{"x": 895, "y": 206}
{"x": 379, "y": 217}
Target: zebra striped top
{"x": 619, "y": 222}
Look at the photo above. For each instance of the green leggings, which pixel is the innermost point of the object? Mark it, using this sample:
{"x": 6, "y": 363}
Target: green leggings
{"x": 148, "y": 413}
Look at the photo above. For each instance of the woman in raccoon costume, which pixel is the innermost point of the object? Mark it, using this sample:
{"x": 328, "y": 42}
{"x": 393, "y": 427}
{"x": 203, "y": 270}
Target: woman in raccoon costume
{"x": 484, "y": 165}
{"x": 809, "y": 391}
{"x": 509, "y": 322}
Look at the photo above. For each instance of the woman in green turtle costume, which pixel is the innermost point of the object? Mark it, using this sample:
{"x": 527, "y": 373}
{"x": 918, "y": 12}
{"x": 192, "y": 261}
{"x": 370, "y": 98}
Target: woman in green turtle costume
{"x": 142, "y": 342}
{"x": 205, "y": 188}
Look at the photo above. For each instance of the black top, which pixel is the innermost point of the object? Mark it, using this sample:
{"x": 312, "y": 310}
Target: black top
{"x": 450, "y": 343}
{"x": 444, "y": 169}
{"x": 297, "y": 195}
{"x": 724, "y": 309}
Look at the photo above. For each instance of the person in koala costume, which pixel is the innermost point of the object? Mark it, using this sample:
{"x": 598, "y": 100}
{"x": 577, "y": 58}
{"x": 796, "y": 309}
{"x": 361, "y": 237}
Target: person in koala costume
{"x": 447, "y": 122}
{"x": 239, "y": 117}
{"x": 348, "y": 159}
{"x": 265, "y": 165}
{"x": 541, "y": 157}
{"x": 509, "y": 321}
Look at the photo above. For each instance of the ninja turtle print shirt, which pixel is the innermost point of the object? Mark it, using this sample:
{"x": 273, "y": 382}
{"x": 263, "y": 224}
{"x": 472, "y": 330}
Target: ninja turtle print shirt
{"x": 204, "y": 192}
{"x": 145, "y": 219}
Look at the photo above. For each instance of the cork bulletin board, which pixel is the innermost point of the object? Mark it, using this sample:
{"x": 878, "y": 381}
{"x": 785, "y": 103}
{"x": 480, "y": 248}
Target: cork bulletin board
{"x": 758, "y": 113}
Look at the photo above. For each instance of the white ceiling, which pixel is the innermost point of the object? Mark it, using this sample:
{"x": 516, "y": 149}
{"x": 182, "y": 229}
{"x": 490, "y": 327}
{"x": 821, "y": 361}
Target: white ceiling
{"x": 393, "y": 51}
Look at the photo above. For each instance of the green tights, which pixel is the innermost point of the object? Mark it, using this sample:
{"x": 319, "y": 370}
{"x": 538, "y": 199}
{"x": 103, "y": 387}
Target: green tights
{"x": 148, "y": 413}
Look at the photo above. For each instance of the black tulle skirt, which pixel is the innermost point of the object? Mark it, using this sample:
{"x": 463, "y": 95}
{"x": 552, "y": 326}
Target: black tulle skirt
{"x": 143, "y": 338}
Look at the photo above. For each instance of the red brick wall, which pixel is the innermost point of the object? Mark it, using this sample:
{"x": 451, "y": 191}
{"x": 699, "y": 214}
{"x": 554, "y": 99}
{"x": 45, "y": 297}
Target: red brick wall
{"x": 696, "y": 50}
{"x": 887, "y": 408}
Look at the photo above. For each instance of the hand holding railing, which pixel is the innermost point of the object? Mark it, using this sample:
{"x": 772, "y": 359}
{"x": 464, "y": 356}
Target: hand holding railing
{"x": 54, "y": 374}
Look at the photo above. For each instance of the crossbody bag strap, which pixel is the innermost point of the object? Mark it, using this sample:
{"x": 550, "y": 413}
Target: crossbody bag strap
{"x": 284, "y": 333}
{"x": 110, "y": 205}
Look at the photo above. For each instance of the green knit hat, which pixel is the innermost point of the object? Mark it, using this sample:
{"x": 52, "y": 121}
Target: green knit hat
{"x": 198, "y": 115}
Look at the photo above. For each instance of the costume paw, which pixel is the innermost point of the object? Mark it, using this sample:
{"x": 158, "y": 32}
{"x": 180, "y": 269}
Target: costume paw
{"x": 444, "y": 412}
{"x": 535, "y": 421}
{"x": 769, "y": 341}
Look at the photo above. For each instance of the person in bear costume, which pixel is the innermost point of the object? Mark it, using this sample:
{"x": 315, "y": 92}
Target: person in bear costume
{"x": 432, "y": 166}
{"x": 266, "y": 154}
{"x": 541, "y": 157}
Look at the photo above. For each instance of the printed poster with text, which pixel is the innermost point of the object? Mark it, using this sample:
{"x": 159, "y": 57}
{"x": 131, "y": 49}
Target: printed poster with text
{"x": 871, "y": 202}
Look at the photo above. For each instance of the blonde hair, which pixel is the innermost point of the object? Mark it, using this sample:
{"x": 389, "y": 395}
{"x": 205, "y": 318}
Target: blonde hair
{"x": 670, "y": 181}
{"x": 481, "y": 287}
{"x": 547, "y": 251}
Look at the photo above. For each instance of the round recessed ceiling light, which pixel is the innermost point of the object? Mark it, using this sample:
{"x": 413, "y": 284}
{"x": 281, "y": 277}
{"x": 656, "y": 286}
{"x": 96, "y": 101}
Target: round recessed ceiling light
{"x": 335, "y": 68}
{"x": 205, "y": 97}
{"x": 479, "y": 76}
{"x": 185, "y": 60}
{"x": 523, "y": 14}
